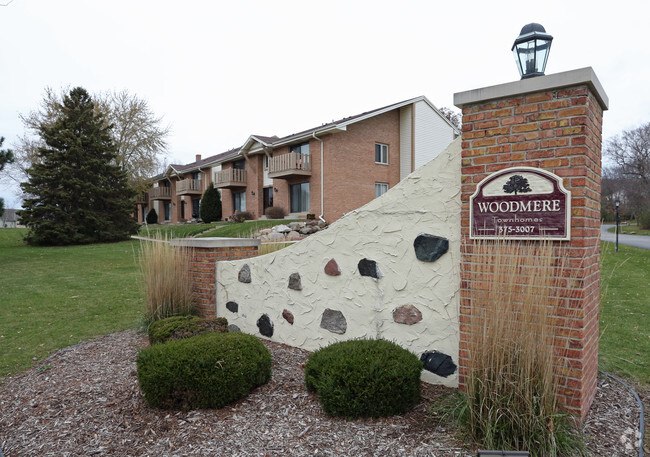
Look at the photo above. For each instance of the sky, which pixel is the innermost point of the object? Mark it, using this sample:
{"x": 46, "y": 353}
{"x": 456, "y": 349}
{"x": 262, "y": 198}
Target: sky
{"x": 220, "y": 71}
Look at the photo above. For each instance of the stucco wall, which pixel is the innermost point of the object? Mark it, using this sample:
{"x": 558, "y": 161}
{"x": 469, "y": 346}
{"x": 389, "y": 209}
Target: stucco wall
{"x": 384, "y": 231}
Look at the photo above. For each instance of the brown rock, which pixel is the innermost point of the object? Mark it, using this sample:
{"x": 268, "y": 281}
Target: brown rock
{"x": 407, "y": 314}
{"x": 332, "y": 268}
{"x": 288, "y": 316}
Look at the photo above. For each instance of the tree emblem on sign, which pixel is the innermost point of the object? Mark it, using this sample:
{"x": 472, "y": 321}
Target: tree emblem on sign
{"x": 516, "y": 183}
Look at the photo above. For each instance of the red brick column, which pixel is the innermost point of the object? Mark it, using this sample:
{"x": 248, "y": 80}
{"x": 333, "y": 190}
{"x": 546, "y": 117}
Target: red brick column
{"x": 551, "y": 122}
{"x": 205, "y": 253}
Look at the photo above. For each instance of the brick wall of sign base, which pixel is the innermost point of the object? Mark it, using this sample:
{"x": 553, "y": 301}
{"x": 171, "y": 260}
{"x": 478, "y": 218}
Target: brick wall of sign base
{"x": 560, "y": 131}
{"x": 203, "y": 268}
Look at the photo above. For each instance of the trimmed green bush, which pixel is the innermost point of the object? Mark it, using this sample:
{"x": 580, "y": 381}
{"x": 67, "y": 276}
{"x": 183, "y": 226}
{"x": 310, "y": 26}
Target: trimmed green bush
{"x": 644, "y": 219}
{"x": 364, "y": 378}
{"x": 181, "y": 327}
{"x": 210, "y": 209}
{"x": 275, "y": 212}
{"x": 205, "y": 371}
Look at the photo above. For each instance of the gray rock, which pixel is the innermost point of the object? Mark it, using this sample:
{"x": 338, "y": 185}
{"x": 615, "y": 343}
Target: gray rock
{"x": 370, "y": 268}
{"x": 305, "y": 230}
{"x": 429, "y": 248}
{"x": 294, "y": 281}
{"x": 281, "y": 228}
{"x": 295, "y": 225}
{"x": 276, "y": 237}
{"x": 233, "y": 328}
{"x": 245, "y": 274}
{"x": 334, "y": 321}
{"x": 232, "y": 306}
{"x": 293, "y": 236}
{"x": 265, "y": 325}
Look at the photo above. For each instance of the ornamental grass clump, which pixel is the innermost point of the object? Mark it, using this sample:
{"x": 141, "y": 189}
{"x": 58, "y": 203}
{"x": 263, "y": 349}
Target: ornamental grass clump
{"x": 511, "y": 398}
{"x": 364, "y": 378}
{"x": 166, "y": 278}
{"x": 206, "y": 371}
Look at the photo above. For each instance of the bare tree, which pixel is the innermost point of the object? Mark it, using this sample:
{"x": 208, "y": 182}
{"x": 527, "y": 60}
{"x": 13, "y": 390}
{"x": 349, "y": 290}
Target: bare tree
{"x": 137, "y": 132}
{"x": 452, "y": 116}
{"x": 631, "y": 152}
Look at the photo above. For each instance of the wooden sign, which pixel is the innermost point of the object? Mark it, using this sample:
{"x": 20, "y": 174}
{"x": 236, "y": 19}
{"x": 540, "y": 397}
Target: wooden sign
{"x": 521, "y": 203}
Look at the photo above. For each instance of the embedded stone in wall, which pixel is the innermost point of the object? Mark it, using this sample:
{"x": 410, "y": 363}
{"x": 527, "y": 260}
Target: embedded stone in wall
{"x": 407, "y": 314}
{"x": 288, "y": 316}
{"x": 232, "y": 306}
{"x": 245, "y": 274}
{"x": 438, "y": 363}
{"x": 332, "y": 268}
{"x": 429, "y": 248}
{"x": 294, "y": 281}
{"x": 334, "y": 321}
{"x": 233, "y": 328}
{"x": 265, "y": 325}
{"x": 370, "y": 268}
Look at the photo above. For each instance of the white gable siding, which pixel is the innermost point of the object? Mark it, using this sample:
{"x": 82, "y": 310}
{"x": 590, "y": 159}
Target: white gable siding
{"x": 432, "y": 134}
{"x": 405, "y": 140}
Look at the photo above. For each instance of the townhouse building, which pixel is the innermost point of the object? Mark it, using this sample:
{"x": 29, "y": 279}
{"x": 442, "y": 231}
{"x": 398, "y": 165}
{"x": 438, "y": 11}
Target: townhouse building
{"x": 327, "y": 171}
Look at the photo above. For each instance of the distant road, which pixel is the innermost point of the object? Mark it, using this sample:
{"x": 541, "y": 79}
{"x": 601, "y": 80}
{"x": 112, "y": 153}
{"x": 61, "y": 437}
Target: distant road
{"x": 638, "y": 241}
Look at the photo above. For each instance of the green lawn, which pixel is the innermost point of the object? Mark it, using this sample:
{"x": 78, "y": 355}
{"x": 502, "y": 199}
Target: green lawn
{"x": 244, "y": 230}
{"x": 54, "y": 297}
{"x": 631, "y": 229}
{"x": 625, "y": 312}
{"x": 176, "y": 230}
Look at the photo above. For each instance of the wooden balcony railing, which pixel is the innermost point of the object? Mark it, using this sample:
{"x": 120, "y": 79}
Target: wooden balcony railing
{"x": 290, "y": 164}
{"x": 189, "y": 187}
{"x": 231, "y": 177}
{"x": 160, "y": 193}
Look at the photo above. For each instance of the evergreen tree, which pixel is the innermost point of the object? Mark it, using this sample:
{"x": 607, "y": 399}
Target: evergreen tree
{"x": 2, "y": 207}
{"x": 75, "y": 192}
{"x": 6, "y": 155}
{"x": 210, "y": 210}
{"x": 152, "y": 217}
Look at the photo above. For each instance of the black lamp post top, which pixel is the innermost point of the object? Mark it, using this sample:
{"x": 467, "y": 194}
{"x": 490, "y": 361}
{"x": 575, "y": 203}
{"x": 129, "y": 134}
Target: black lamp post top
{"x": 531, "y": 31}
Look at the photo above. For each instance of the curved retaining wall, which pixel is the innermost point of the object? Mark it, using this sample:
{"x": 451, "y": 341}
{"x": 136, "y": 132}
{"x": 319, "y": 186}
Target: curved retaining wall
{"x": 387, "y": 270}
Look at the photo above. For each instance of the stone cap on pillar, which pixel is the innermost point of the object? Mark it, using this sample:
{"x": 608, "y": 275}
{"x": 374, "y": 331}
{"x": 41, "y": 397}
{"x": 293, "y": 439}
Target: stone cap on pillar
{"x": 538, "y": 84}
{"x": 215, "y": 242}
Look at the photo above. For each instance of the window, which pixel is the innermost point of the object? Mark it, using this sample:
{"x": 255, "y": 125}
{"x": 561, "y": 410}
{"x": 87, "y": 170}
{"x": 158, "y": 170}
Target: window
{"x": 302, "y": 148}
{"x": 299, "y": 197}
{"x": 267, "y": 158}
{"x": 168, "y": 210}
{"x": 239, "y": 165}
{"x": 239, "y": 201}
{"x": 196, "y": 205}
{"x": 268, "y": 197}
{"x": 381, "y": 153}
{"x": 380, "y": 189}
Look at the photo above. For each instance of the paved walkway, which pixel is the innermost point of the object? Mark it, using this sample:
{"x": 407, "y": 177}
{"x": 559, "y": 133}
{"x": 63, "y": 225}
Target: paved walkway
{"x": 638, "y": 241}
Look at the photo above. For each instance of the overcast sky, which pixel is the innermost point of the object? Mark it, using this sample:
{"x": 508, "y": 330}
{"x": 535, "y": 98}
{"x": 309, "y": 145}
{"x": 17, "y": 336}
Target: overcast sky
{"x": 220, "y": 71}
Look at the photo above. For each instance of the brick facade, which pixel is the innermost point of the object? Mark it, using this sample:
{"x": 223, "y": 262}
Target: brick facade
{"x": 559, "y": 130}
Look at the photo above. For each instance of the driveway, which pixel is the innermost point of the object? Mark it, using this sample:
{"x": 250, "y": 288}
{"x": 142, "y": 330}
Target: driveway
{"x": 638, "y": 241}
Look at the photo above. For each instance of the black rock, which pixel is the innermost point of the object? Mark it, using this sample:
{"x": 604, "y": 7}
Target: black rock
{"x": 429, "y": 248}
{"x": 370, "y": 268}
{"x": 265, "y": 325}
{"x": 438, "y": 363}
{"x": 232, "y": 306}
{"x": 294, "y": 281}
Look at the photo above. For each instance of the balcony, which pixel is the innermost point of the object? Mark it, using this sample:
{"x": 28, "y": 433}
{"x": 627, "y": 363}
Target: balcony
{"x": 291, "y": 164}
{"x": 189, "y": 187}
{"x": 160, "y": 193}
{"x": 230, "y": 178}
{"x": 141, "y": 198}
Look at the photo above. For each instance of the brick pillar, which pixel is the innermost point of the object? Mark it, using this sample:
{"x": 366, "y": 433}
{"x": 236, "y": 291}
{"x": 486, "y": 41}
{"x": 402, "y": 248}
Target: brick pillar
{"x": 551, "y": 122}
{"x": 205, "y": 253}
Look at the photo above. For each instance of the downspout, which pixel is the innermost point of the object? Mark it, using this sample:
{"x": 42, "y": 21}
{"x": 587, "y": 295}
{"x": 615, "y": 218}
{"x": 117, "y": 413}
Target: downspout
{"x": 322, "y": 179}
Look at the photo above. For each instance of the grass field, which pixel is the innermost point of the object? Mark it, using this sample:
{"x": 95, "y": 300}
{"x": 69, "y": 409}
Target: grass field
{"x": 176, "y": 230}
{"x": 625, "y": 312}
{"x": 631, "y": 229}
{"x": 243, "y": 230}
{"x": 54, "y": 297}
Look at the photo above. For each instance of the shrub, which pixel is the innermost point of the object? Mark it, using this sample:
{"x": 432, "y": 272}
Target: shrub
{"x": 166, "y": 279}
{"x": 644, "y": 219}
{"x": 311, "y": 216}
{"x": 152, "y": 217}
{"x": 275, "y": 212}
{"x": 511, "y": 396}
{"x": 364, "y": 378}
{"x": 180, "y": 327}
{"x": 210, "y": 208}
{"x": 205, "y": 371}
{"x": 241, "y": 216}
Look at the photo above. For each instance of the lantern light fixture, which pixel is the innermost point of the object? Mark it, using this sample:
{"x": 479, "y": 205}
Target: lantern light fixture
{"x": 531, "y": 49}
